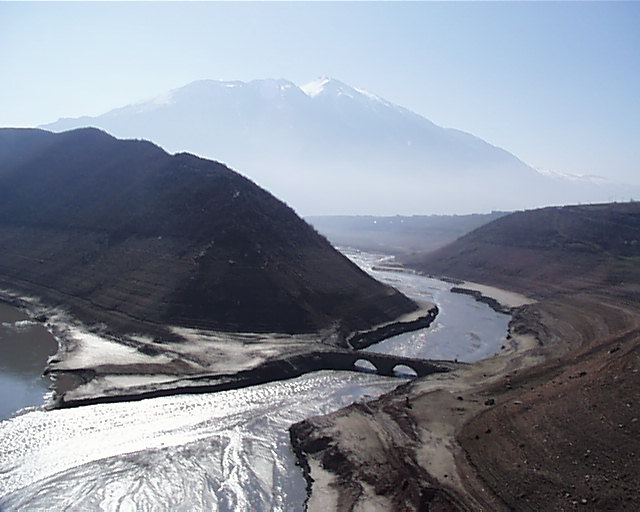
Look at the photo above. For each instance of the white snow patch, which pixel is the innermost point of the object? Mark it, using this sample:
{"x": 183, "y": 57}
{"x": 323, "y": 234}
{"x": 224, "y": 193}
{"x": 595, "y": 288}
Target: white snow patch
{"x": 163, "y": 99}
{"x": 373, "y": 97}
{"x": 146, "y": 105}
{"x": 312, "y": 89}
{"x": 328, "y": 85}
{"x": 583, "y": 178}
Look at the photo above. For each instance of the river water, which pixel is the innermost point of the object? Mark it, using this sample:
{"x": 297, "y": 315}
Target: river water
{"x": 465, "y": 329}
{"x": 221, "y": 451}
{"x": 25, "y": 346}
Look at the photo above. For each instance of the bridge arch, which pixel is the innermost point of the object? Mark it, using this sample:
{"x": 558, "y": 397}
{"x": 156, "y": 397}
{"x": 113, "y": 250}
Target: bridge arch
{"x": 362, "y": 364}
{"x": 404, "y": 370}
{"x": 385, "y": 364}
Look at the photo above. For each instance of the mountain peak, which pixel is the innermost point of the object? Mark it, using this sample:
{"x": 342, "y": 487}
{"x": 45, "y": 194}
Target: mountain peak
{"x": 331, "y": 87}
{"x": 327, "y": 85}
{"x": 328, "y": 147}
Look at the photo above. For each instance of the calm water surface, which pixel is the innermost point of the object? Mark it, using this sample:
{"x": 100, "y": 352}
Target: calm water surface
{"x": 25, "y": 346}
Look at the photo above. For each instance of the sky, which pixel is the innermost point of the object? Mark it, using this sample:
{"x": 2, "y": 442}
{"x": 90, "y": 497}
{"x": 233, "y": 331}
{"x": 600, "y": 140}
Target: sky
{"x": 555, "y": 83}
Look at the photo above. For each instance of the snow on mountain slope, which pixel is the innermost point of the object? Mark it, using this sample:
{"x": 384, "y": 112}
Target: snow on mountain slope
{"x": 329, "y": 148}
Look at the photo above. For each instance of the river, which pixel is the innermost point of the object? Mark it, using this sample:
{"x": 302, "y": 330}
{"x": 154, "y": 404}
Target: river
{"x": 465, "y": 329}
{"x": 25, "y": 346}
{"x": 221, "y": 451}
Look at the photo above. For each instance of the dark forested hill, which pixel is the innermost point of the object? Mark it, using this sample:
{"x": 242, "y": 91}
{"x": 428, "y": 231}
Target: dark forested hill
{"x": 119, "y": 231}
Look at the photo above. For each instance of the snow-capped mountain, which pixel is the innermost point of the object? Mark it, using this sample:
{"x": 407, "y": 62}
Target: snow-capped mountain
{"x": 329, "y": 148}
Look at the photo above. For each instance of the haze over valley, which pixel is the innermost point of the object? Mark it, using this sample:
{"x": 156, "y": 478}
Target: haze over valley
{"x": 231, "y": 282}
{"x": 329, "y": 148}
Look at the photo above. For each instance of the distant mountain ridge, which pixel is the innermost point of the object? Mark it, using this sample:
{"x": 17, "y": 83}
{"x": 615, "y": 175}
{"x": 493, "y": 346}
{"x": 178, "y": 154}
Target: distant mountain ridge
{"x": 398, "y": 235}
{"x": 329, "y": 148}
{"x": 122, "y": 233}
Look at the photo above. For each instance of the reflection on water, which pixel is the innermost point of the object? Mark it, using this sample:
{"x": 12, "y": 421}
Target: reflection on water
{"x": 225, "y": 451}
{"x": 25, "y": 346}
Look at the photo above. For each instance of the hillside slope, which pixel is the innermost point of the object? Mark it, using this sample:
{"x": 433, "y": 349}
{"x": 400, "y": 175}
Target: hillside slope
{"x": 567, "y": 431}
{"x": 123, "y": 233}
{"x": 541, "y": 252}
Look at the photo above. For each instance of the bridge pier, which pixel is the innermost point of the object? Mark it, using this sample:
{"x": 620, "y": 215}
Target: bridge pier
{"x": 385, "y": 368}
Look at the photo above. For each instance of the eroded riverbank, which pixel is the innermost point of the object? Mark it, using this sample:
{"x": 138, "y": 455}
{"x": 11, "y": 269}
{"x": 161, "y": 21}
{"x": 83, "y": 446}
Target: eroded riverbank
{"x": 399, "y": 452}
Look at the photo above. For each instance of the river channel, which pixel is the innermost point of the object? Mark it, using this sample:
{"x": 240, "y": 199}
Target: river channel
{"x": 220, "y": 451}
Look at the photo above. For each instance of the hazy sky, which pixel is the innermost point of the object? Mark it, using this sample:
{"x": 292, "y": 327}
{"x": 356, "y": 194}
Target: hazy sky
{"x": 557, "y": 84}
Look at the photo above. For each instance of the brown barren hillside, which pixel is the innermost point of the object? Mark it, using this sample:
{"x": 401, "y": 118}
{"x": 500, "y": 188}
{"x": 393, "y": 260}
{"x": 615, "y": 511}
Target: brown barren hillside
{"x": 551, "y": 423}
{"x": 540, "y": 252}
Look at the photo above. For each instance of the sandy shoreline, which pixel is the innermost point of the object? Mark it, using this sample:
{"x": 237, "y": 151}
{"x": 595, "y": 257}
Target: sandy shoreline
{"x": 506, "y": 298}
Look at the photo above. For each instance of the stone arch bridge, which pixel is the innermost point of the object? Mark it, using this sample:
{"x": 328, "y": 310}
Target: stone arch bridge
{"x": 384, "y": 364}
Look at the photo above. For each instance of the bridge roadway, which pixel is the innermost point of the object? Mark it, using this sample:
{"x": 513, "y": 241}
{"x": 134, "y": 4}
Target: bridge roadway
{"x": 384, "y": 364}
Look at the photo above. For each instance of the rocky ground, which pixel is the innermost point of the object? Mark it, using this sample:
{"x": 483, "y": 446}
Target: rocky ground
{"x": 565, "y": 435}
